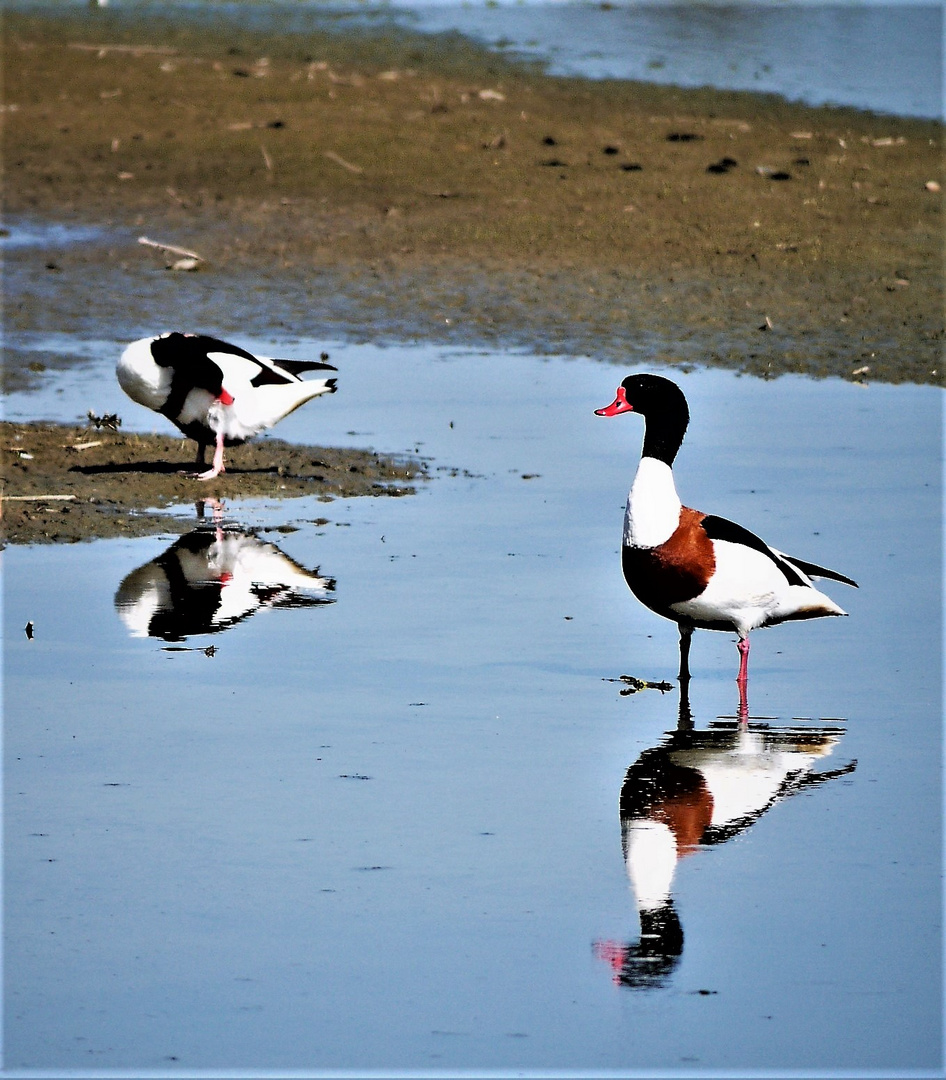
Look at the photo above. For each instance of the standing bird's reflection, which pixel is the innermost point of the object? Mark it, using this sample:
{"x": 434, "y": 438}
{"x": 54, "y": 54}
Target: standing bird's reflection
{"x": 209, "y": 580}
{"x": 695, "y": 789}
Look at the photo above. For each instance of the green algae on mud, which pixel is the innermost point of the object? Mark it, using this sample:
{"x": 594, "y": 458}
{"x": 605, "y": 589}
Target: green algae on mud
{"x": 65, "y": 483}
{"x": 400, "y": 186}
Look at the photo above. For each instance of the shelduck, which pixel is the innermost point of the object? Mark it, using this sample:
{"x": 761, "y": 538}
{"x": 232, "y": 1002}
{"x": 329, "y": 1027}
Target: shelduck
{"x": 217, "y": 394}
{"x": 699, "y": 570}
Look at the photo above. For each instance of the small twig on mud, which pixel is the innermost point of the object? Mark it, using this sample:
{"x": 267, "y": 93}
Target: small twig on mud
{"x": 332, "y": 156}
{"x": 135, "y": 50}
{"x": 172, "y": 248}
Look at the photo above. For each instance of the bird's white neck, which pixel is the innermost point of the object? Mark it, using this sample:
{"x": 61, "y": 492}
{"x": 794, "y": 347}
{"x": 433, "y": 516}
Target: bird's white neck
{"x": 653, "y": 506}
{"x": 650, "y": 857}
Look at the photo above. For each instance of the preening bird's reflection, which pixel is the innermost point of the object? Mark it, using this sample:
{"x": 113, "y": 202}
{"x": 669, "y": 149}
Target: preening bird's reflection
{"x": 209, "y": 580}
{"x": 695, "y": 789}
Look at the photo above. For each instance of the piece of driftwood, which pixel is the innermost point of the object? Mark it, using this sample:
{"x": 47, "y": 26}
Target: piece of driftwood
{"x": 339, "y": 160}
{"x": 171, "y": 248}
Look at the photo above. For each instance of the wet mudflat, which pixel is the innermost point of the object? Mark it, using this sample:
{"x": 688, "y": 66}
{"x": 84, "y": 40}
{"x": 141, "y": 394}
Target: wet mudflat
{"x": 383, "y": 185}
{"x": 63, "y": 483}
{"x": 371, "y": 808}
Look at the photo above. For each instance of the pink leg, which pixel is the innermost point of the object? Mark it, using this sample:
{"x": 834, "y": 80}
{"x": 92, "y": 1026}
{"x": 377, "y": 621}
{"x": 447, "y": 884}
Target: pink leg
{"x": 217, "y": 468}
{"x": 743, "y": 646}
{"x": 742, "y": 679}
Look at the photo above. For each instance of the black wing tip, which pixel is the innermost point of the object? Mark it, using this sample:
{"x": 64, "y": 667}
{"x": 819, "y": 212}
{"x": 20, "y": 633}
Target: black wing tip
{"x": 296, "y": 367}
{"x": 331, "y": 385}
{"x": 718, "y": 528}
{"x": 813, "y": 570}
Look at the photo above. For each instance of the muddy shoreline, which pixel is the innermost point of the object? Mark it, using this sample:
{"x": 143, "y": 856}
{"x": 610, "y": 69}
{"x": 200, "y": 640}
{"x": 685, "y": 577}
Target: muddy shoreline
{"x": 68, "y": 483}
{"x": 379, "y": 186}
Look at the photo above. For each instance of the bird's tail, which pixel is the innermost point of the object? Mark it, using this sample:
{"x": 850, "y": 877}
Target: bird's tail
{"x": 297, "y": 367}
{"x": 815, "y": 571}
{"x": 268, "y": 404}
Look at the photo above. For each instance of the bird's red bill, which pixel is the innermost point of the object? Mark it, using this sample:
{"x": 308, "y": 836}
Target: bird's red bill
{"x": 225, "y": 397}
{"x": 619, "y": 405}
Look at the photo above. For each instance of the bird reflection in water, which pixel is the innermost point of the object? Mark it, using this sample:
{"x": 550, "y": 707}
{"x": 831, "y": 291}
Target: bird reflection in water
{"x": 211, "y": 579}
{"x": 699, "y": 788}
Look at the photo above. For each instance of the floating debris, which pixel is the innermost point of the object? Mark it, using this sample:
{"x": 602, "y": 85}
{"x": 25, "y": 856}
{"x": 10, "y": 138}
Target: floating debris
{"x": 210, "y": 650}
{"x": 635, "y": 685}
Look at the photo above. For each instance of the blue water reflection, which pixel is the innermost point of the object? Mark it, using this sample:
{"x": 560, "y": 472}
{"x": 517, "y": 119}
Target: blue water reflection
{"x": 211, "y": 579}
{"x": 380, "y": 834}
{"x": 698, "y": 788}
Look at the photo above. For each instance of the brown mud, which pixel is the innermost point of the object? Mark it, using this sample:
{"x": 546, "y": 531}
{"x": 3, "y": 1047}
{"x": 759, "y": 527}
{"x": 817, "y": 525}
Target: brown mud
{"x": 63, "y": 483}
{"x": 375, "y": 185}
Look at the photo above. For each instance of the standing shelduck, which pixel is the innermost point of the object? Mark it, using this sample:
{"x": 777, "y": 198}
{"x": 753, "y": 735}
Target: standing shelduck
{"x": 699, "y": 570}
{"x": 217, "y": 394}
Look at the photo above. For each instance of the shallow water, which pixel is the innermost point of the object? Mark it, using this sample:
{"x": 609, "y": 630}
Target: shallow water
{"x": 44, "y": 235}
{"x": 388, "y": 831}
